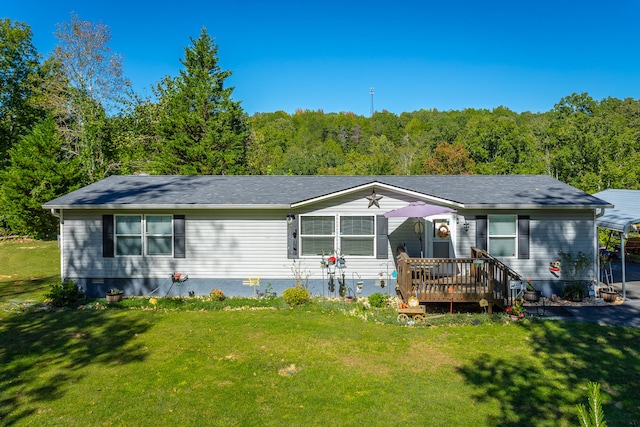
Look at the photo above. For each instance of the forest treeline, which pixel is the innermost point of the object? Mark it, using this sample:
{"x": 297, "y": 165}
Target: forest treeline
{"x": 73, "y": 118}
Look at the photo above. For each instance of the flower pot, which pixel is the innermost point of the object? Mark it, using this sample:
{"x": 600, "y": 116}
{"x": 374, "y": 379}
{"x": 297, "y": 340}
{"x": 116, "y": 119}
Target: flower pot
{"x": 114, "y": 297}
{"x": 608, "y": 296}
{"x": 348, "y": 300}
{"x": 532, "y": 296}
{"x": 514, "y": 317}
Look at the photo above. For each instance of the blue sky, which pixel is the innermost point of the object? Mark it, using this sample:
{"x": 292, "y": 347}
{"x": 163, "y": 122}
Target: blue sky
{"x": 448, "y": 55}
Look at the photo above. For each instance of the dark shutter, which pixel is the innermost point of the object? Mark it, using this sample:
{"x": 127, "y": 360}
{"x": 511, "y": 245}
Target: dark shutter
{"x": 523, "y": 236}
{"x": 179, "y": 239}
{"x": 382, "y": 241}
{"x": 107, "y": 236}
{"x": 481, "y": 232}
{"x": 292, "y": 238}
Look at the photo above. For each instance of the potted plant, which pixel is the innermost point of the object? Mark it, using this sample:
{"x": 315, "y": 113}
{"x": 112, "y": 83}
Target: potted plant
{"x": 114, "y": 295}
{"x": 531, "y": 294}
{"x": 516, "y": 311}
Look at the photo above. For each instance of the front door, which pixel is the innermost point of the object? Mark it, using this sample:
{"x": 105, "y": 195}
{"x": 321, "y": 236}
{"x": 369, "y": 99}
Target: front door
{"x": 441, "y": 237}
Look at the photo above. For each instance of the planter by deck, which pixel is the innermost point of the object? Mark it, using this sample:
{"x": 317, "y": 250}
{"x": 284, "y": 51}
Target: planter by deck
{"x": 608, "y": 296}
{"x": 532, "y": 296}
{"x": 114, "y": 297}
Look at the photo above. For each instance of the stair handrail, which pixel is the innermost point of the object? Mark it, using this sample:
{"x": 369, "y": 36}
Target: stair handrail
{"x": 484, "y": 254}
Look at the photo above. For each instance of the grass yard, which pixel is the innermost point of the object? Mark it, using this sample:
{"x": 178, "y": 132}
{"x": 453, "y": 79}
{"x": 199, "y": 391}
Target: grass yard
{"x": 323, "y": 364}
{"x": 27, "y": 269}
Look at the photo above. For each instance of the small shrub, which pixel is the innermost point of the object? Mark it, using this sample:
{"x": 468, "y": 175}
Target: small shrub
{"x": 379, "y": 300}
{"x": 574, "y": 291}
{"x": 64, "y": 294}
{"x": 217, "y": 295}
{"x": 296, "y": 296}
{"x": 268, "y": 292}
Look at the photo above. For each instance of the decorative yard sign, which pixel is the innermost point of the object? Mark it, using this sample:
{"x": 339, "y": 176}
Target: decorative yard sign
{"x": 517, "y": 288}
{"x": 254, "y": 282}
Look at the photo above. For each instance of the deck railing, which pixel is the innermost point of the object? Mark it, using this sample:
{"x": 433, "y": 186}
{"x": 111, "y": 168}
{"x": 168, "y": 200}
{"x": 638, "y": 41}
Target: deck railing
{"x": 456, "y": 279}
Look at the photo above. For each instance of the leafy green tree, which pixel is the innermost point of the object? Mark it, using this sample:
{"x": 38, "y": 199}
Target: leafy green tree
{"x": 83, "y": 85}
{"x": 386, "y": 124}
{"x": 134, "y": 136}
{"x": 378, "y": 159}
{"x": 595, "y": 144}
{"x": 271, "y": 134}
{"x": 38, "y": 172}
{"x": 19, "y": 63}
{"x": 201, "y": 130}
{"x": 500, "y": 143}
{"x": 619, "y": 134}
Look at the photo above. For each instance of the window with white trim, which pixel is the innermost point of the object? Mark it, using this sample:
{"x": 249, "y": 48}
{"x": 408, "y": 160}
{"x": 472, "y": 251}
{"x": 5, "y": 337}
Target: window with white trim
{"x": 128, "y": 235}
{"x": 357, "y": 235}
{"x": 349, "y": 235}
{"x": 317, "y": 235}
{"x": 149, "y": 234}
{"x": 159, "y": 234}
{"x": 503, "y": 235}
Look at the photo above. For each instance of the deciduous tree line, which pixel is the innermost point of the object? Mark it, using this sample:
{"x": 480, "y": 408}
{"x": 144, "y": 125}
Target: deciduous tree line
{"x": 73, "y": 118}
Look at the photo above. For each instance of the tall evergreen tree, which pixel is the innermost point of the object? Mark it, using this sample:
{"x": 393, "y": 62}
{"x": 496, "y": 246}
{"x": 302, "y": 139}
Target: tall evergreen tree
{"x": 19, "y": 62}
{"x": 38, "y": 172}
{"x": 201, "y": 130}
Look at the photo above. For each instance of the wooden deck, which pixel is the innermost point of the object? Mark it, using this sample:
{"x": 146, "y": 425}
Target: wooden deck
{"x": 456, "y": 279}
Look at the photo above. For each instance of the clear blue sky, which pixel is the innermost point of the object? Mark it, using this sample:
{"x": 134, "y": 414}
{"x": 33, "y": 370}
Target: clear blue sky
{"x": 449, "y": 55}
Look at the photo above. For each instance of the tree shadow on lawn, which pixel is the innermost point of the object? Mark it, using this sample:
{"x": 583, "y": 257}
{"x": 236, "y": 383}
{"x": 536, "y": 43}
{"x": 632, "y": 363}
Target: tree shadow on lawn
{"x": 59, "y": 344}
{"x": 545, "y": 389}
{"x": 18, "y": 289}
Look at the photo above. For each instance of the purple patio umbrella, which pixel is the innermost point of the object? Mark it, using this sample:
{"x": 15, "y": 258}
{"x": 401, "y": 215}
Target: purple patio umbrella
{"x": 417, "y": 210}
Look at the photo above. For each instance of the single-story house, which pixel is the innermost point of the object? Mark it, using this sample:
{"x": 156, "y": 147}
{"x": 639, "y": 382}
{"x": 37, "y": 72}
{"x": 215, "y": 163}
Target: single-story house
{"x": 226, "y": 232}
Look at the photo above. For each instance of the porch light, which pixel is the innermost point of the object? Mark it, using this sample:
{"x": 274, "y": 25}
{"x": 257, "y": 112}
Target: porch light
{"x": 290, "y": 218}
{"x": 465, "y": 225}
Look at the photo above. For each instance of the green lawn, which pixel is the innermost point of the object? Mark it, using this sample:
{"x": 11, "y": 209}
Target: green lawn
{"x": 319, "y": 365}
{"x": 27, "y": 269}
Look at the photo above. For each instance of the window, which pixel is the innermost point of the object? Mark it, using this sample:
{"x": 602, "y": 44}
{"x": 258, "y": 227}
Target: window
{"x": 502, "y": 235}
{"x": 157, "y": 238}
{"x": 159, "y": 234}
{"x": 128, "y": 234}
{"x": 317, "y": 234}
{"x": 355, "y": 235}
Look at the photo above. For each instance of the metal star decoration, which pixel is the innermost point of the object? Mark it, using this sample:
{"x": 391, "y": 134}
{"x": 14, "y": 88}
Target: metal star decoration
{"x": 373, "y": 199}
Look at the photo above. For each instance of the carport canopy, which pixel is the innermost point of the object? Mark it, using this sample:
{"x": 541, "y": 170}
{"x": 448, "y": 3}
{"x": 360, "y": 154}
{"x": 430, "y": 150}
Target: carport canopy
{"x": 624, "y": 214}
{"x": 620, "y": 218}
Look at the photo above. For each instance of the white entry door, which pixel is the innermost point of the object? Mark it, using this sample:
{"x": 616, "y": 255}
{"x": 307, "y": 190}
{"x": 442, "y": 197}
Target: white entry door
{"x": 441, "y": 237}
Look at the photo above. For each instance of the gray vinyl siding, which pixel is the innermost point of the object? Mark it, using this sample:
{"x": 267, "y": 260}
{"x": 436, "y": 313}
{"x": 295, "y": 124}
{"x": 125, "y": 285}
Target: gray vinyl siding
{"x": 236, "y": 244}
{"x": 220, "y": 244}
{"x": 550, "y": 232}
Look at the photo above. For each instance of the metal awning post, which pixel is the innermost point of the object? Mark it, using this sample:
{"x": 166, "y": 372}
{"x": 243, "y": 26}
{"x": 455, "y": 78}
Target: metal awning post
{"x": 624, "y": 267}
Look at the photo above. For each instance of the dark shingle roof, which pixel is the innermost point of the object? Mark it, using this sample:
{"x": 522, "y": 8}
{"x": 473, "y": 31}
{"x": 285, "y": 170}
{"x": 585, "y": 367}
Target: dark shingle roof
{"x": 469, "y": 191}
